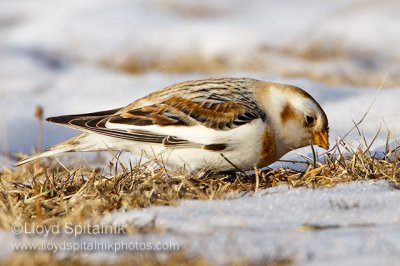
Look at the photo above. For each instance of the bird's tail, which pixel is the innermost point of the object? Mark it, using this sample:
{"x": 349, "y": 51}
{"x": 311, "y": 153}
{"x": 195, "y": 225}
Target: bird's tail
{"x": 67, "y": 146}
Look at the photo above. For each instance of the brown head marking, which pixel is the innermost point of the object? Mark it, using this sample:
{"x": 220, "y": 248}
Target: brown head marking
{"x": 288, "y": 113}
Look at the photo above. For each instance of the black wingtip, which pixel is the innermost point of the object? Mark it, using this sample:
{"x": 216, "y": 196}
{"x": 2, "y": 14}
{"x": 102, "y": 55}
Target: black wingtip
{"x": 64, "y": 119}
{"x": 50, "y": 119}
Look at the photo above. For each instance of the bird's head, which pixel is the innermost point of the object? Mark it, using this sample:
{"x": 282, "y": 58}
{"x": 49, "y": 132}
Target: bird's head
{"x": 297, "y": 117}
{"x": 310, "y": 125}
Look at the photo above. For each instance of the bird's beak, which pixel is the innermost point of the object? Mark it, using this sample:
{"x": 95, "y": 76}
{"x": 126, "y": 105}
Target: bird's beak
{"x": 321, "y": 139}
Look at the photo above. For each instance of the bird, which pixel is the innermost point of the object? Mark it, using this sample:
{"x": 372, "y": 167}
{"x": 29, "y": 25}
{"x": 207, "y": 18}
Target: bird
{"x": 217, "y": 125}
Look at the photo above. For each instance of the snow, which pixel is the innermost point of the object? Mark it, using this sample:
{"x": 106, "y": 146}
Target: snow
{"x": 358, "y": 226}
{"x": 50, "y": 54}
{"x": 270, "y": 223}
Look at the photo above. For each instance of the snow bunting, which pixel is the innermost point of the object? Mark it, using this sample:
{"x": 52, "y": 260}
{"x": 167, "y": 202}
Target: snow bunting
{"x": 212, "y": 124}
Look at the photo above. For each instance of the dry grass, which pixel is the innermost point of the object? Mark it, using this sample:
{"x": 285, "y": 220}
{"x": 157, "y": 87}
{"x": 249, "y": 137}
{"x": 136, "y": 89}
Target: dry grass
{"x": 184, "y": 62}
{"x": 332, "y": 65}
{"x": 49, "y": 193}
{"x": 31, "y": 259}
{"x": 178, "y": 258}
{"x": 191, "y": 9}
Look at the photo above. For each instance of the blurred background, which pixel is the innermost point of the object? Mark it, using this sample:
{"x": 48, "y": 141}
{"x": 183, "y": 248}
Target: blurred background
{"x": 81, "y": 56}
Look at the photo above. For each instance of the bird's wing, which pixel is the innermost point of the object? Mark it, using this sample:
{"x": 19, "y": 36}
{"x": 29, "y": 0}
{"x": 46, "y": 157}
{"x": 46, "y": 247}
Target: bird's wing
{"x": 217, "y": 104}
{"x": 220, "y": 104}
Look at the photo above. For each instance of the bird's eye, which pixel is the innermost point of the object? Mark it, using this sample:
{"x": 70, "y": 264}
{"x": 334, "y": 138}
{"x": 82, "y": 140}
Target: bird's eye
{"x": 309, "y": 119}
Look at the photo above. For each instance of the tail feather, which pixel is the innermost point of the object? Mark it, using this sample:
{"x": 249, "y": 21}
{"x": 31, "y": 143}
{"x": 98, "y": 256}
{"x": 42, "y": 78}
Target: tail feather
{"x": 67, "y": 146}
{"x": 81, "y": 143}
{"x": 47, "y": 153}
